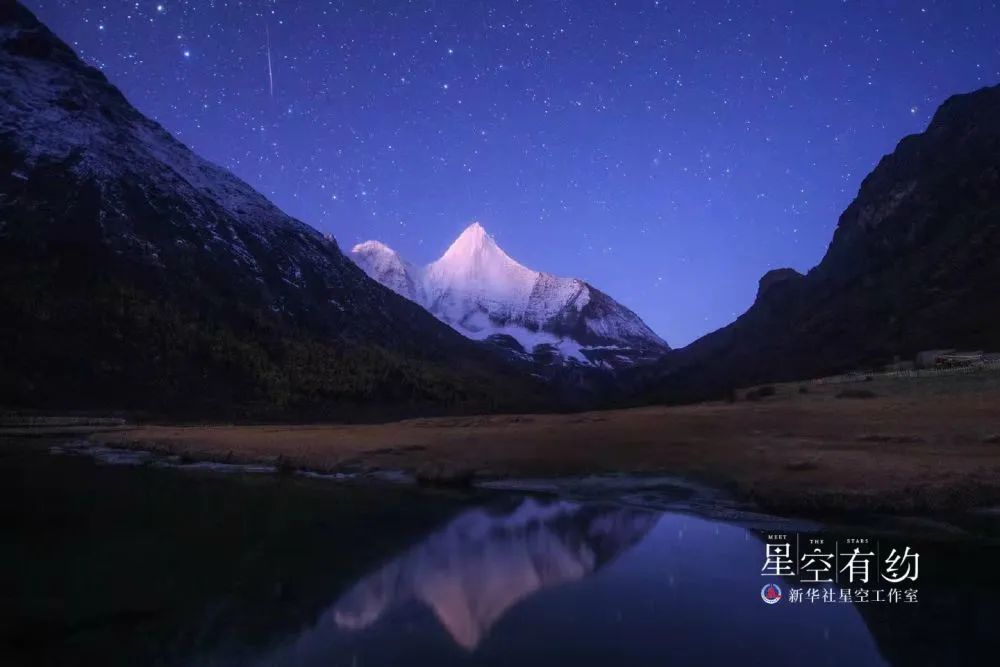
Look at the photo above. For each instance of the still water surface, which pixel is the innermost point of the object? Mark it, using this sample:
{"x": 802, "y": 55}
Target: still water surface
{"x": 123, "y": 565}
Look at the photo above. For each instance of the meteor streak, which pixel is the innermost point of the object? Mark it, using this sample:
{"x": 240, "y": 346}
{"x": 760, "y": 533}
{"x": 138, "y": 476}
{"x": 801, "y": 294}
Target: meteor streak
{"x": 270, "y": 71}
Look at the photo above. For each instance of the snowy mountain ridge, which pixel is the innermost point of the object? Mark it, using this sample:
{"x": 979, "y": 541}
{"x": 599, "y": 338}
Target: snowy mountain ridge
{"x": 483, "y": 293}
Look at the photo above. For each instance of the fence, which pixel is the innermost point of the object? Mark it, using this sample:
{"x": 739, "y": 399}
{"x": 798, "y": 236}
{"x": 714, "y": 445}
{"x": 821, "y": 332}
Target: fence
{"x": 979, "y": 367}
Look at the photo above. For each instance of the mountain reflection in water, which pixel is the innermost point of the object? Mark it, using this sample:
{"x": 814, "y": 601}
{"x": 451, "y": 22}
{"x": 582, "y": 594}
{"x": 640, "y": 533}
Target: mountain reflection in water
{"x": 481, "y": 564}
{"x": 556, "y": 582}
{"x": 122, "y": 566}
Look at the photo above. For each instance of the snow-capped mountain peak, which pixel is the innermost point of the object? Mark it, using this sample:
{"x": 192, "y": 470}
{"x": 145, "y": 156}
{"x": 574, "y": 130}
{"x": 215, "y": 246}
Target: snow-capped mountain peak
{"x": 474, "y": 267}
{"x": 374, "y": 247}
{"x": 472, "y": 241}
{"x": 382, "y": 263}
{"x": 482, "y": 292}
{"x": 474, "y": 248}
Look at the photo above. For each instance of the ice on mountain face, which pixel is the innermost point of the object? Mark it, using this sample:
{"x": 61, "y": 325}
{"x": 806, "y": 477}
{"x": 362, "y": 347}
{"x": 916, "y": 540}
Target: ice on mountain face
{"x": 481, "y": 291}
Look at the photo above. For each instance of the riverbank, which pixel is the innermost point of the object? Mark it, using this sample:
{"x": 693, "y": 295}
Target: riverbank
{"x": 893, "y": 446}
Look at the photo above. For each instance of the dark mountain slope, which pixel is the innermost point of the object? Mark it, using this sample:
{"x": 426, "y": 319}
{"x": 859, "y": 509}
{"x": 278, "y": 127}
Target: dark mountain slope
{"x": 914, "y": 264}
{"x": 134, "y": 274}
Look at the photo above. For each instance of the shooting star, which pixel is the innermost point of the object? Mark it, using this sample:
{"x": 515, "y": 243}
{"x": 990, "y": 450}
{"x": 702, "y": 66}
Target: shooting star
{"x": 270, "y": 71}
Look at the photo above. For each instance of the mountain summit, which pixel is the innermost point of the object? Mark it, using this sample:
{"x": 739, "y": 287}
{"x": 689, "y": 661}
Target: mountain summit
{"x": 483, "y": 293}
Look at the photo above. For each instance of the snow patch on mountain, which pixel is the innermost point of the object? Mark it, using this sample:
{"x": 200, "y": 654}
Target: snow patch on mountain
{"x": 479, "y": 327}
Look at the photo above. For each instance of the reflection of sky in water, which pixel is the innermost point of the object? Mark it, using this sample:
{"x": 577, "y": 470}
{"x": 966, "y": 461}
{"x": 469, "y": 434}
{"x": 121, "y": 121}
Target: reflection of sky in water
{"x": 560, "y": 583}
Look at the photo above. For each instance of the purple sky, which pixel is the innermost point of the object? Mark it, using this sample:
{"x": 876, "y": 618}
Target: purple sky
{"x": 668, "y": 152}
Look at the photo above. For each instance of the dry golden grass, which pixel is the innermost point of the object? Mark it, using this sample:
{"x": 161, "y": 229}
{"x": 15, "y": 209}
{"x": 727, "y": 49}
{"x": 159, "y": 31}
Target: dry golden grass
{"x": 903, "y": 450}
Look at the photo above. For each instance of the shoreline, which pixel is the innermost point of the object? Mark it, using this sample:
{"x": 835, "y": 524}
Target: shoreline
{"x": 917, "y": 447}
{"x": 914, "y": 447}
{"x": 642, "y": 492}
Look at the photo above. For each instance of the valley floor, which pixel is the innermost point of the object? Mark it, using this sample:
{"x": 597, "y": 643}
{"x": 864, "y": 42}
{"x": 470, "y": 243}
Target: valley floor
{"x": 916, "y": 445}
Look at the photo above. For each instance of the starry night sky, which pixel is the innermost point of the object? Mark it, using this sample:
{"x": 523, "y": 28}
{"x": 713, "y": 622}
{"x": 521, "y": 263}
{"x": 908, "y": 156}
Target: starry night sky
{"x": 668, "y": 152}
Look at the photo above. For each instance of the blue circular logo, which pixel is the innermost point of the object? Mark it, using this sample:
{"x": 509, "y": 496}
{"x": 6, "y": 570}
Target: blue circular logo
{"x": 770, "y": 594}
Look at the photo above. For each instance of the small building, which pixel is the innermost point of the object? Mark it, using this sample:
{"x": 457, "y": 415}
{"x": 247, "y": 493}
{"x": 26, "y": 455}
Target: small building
{"x": 928, "y": 358}
{"x": 957, "y": 359}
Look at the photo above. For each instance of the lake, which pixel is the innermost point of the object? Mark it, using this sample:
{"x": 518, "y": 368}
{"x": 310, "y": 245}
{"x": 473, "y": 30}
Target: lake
{"x": 144, "y": 565}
